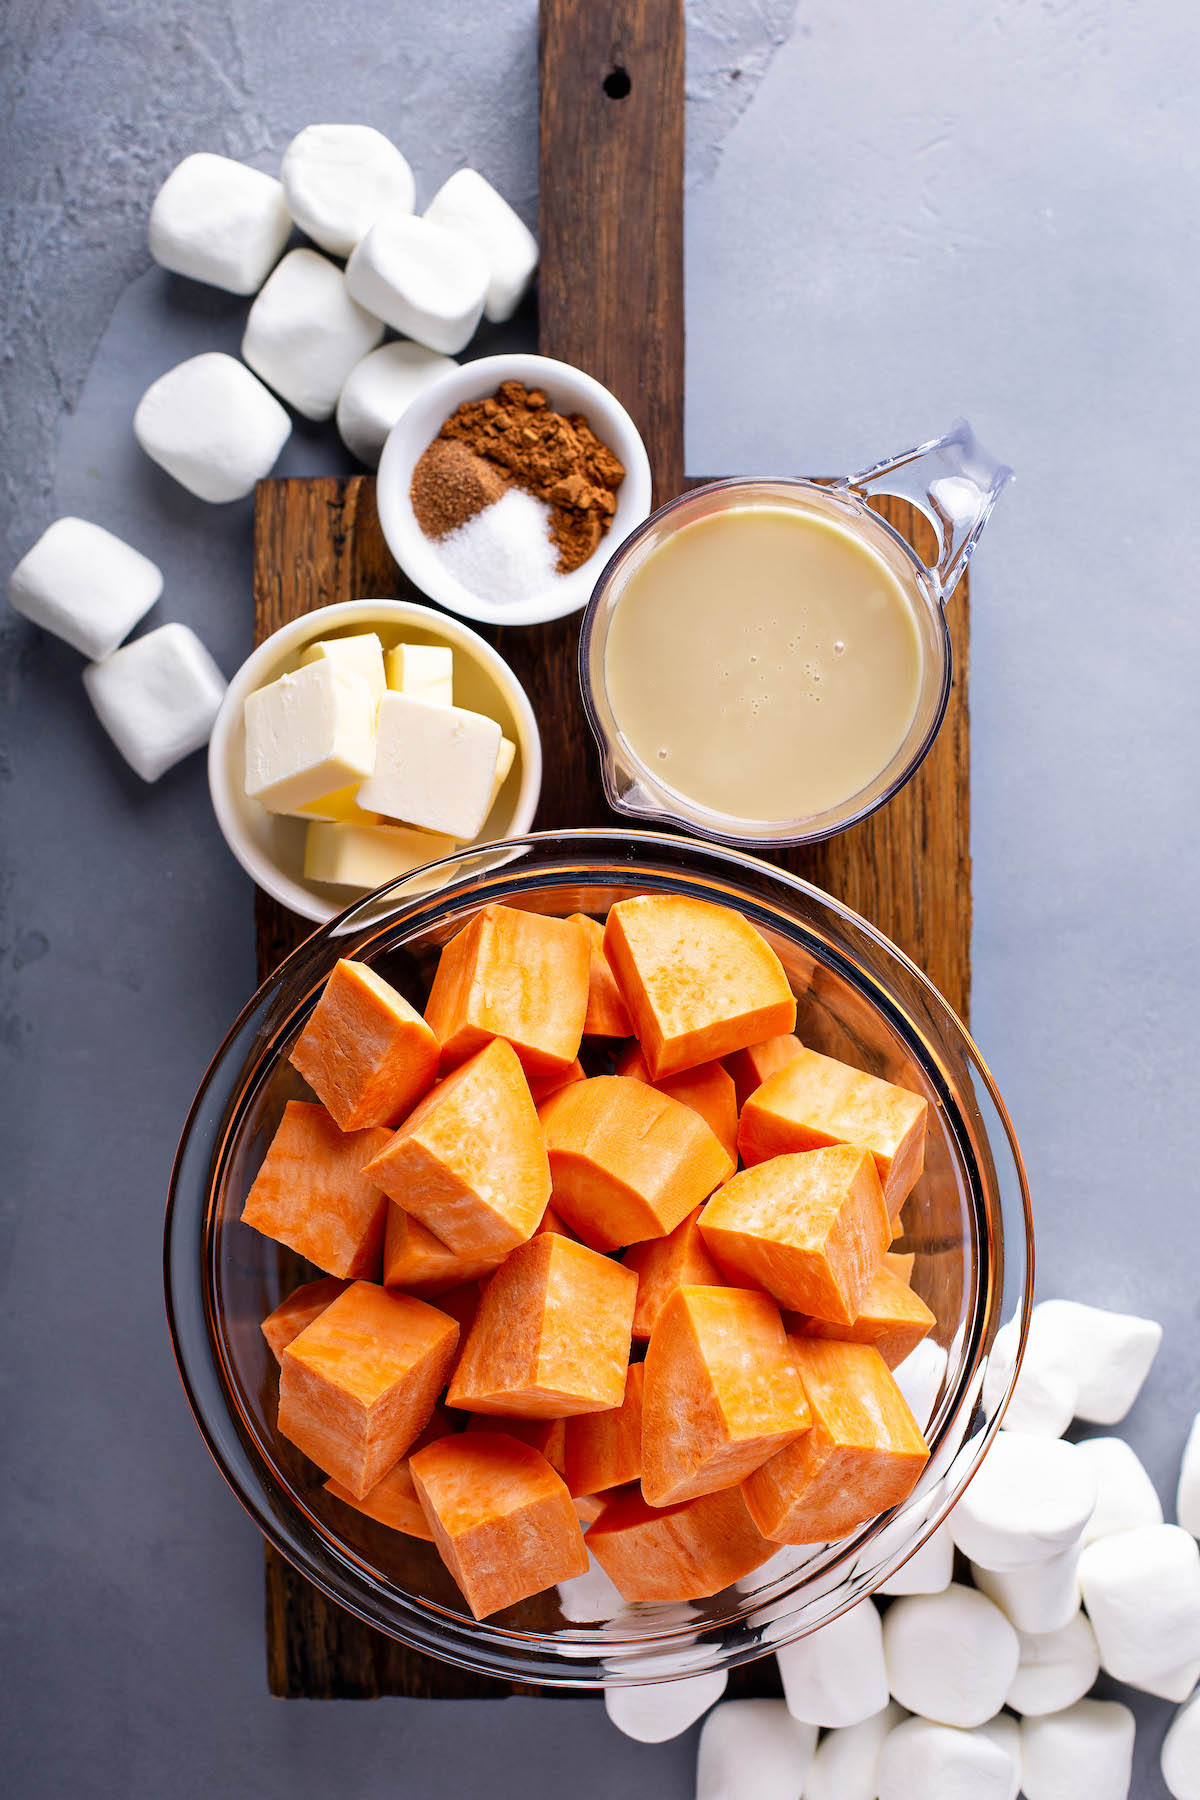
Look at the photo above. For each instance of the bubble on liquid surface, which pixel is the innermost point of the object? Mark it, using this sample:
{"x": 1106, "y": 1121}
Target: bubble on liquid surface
{"x": 662, "y": 755}
{"x": 839, "y": 648}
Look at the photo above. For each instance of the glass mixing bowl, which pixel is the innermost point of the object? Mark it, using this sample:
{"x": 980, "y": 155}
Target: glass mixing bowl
{"x": 859, "y": 999}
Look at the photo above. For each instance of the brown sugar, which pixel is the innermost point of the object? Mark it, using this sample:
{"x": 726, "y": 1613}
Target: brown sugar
{"x": 451, "y": 484}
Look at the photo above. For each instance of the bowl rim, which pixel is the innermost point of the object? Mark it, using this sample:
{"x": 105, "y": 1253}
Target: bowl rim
{"x": 296, "y": 894}
{"x": 621, "y": 847}
{"x": 568, "y": 388}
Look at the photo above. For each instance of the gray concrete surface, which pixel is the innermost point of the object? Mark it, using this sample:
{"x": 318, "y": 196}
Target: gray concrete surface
{"x": 894, "y": 215}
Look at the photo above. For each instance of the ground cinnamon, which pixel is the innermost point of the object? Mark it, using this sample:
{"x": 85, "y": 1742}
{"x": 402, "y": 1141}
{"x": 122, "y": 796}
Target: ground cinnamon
{"x": 519, "y": 437}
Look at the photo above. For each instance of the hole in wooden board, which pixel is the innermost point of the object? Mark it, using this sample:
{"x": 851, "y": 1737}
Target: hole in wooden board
{"x": 617, "y": 83}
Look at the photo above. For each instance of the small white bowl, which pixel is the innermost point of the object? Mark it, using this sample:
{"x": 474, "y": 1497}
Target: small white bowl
{"x": 271, "y": 848}
{"x": 568, "y": 391}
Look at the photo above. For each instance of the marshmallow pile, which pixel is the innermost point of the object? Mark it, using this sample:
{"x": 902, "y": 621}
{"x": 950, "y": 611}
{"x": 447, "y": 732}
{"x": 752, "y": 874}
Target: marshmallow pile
{"x": 982, "y": 1691}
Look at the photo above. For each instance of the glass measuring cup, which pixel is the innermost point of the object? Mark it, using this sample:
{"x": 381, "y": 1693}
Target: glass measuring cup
{"x": 951, "y": 480}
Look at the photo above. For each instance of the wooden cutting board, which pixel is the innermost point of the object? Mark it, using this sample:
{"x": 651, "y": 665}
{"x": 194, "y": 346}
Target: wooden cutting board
{"x": 610, "y": 299}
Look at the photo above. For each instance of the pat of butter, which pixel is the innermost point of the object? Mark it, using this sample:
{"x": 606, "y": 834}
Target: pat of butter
{"x": 504, "y": 763}
{"x": 307, "y": 735}
{"x": 360, "y": 654}
{"x": 434, "y": 766}
{"x": 341, "y": 807}
{"x": 423, "y": 672}
{"x": 365, "y": 856}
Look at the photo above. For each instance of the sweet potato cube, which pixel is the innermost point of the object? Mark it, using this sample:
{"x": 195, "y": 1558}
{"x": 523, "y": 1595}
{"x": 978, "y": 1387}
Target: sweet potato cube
{"x": 627, "y": 1161}
{"x": 814, "y": 1100}
{"x": 542, "y": 1086}
{"x": 547, "y": 1436}
{"x": 750, "y": 1068}
{"x": 681, "y": 1259}
{"x": 470, "y": 1162}
{"x": 552, "y": 1222}
{"x": 312, "y": 1195}
{"x": 863, "y": 1455}
{"x": 707, "y": 1089}
{"x": 551, "y": 1336}
{"x": 299, "y": 1310}
{"x": 462, "y": 1303}
{"x": 418, "y": 1262}
{"x": 366, "y": 1053}
{"x": 891, "y": 1317}
{"x": 684, "y": 1552}
{"x": 393, "y": 1500}
{"x": 588, "y": 1507}
{"x": 900, "y": 1262}
{"x": 721, "y": 1393}
{"x": 699, "y": 981}
{"x": 514, "y": 975}
{"x": 604, "y": 1449}
{"x": 359, "y": 1384}
{"x": 811, "y": 1228}
{"x": 607, "y": 1014}
{"x": 502, "y": 1520}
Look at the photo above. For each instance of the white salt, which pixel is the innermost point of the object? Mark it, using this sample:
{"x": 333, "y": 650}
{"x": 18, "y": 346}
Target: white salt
{"x": 504, "y": 553}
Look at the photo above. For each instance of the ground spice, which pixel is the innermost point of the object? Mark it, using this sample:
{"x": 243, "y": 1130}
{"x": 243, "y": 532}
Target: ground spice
{"x": 451, "y": 484}
{"x": 556, "y": 458}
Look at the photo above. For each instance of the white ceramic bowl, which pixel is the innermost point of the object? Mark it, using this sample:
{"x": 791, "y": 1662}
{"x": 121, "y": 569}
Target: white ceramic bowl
{"x": 568, "y": 391}
{"x": 271, "y": 848}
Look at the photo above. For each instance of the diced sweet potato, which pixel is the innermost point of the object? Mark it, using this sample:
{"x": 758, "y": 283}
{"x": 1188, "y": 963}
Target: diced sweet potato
{"x": 462, "y": 1303}
{"x": 699, "y": 981}
{"x": 681, "y": 1259}
{"x": 810, "y": 1228}
{"x": 299, "y": 1310}
{"x": 312, "y": 1195}
{"x": 607, "y": 1013}
{"x": 891, "y": 1317}
{"x": 415, "y": 1260}
{"x": 900, "y": 1262}
{"x": 393, "y": 1500}
{"x": 814, "y": 1100}
{"x": 604, "y": 1449}
{"x": 588, "y": 1507}
{"x": 359, "y": 1384}
{"x": 542, "y": 1086}
{"x": 551, "y": 1336}
{"x": 684, "y": 1552}
{"x": 552, "y": 1222}
{"x": 470, "y": 1161}
{"x": 547, "y": 1436}
{"x": 627, "y": 1161}
{"x": 514, "y": 975}
{"x": 751, "y": 1067}
{"x": 863, "y": 1455}
{"x": 366, "y": 1053}
{"x": 708, "y": 1090}
{"x": 721, "y": 1393}
{"x": 502, "y": 1520}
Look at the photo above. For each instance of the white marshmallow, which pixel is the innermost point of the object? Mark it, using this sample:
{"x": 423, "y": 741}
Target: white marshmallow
{"x": 219, "y": 221}
{"x": 590, "y": 1599}
{"x": 661, "y": 1710}
{"x": 212, "y": 425}
{"x": 1005, "y": 1732}
{"x": 1030, "y": 1498}
{"x": 950, "y": 1657}
{"x": 305, "y": 333}
{"x": 1125, "y": 1496}
{"x": 84, "y": 585}
{"x": 1043, "y": 1401}
{"x": 470, "y": 206}
{"x": 1077, "y": 1356}
{"x": 1187, "y": 1494}
{"x": 1142, "y": 1592}
{"x": 1056, "y": 1667}
{"x": 1041, "y": 1596}
{"x": 380, "y": 389}
{"x": 157, "y": 698}
{"x": 836, "y": 1675}
{"x": 1181, "y": 1752}
{"x": 338, "y": 179}
{"x": 847, "y": 1760}
{"x": 928, "y": 1571}
{"x": 427, "y": 283}
{"x": 920, "y": 1758}
{"x": 1082, "y": 1753}
{"x": 920, "y": 1378}
{"x": 753, "y": 1750}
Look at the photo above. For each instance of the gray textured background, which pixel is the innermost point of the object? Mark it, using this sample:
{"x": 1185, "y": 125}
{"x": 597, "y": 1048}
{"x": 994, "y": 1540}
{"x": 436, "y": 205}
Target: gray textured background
{"x": 895, "y": 214}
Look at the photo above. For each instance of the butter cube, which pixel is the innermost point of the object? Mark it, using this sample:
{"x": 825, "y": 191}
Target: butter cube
{"x": 341, "y": 807}
{"x": 504, "y": 763}
{"x": 423, "y": 671}
{"x": 365, "y": 856}
{"x": 360, "y": 654}
{"x": 434, "y": 766}
{"x": 307, "y": 735}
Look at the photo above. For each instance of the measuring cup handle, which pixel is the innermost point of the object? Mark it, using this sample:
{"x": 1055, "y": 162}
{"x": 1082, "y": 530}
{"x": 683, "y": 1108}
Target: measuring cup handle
{"x": 954, "y": 482}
